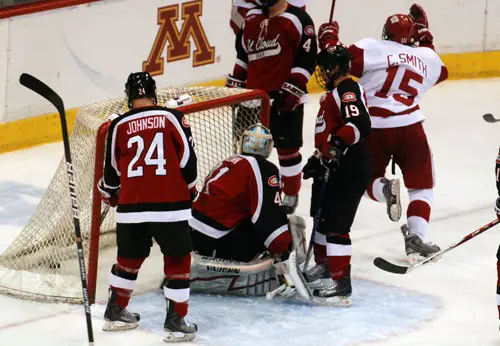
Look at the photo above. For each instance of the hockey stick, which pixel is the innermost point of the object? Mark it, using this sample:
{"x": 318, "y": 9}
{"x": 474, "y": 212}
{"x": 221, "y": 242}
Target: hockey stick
{"x": 489, "y": 118}
{"x": 316, "y": 218}
{"x": 397, "y": 269}
{"x": 332, "y": 9}
{"x": 46, "y": 92}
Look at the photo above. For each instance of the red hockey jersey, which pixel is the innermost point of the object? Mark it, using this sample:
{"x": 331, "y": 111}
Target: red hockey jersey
{"x": 272, "y": 51}
{"x": 343, "y": 113}
{"x": 240, "y": 189}
{"x": 150, "y": 159}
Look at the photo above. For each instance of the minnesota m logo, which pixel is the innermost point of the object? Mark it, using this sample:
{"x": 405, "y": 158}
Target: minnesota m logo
{"x": 179, "y": 45}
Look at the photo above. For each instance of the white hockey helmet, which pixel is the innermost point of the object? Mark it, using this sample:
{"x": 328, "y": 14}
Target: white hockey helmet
{"x": 257, "y": 140}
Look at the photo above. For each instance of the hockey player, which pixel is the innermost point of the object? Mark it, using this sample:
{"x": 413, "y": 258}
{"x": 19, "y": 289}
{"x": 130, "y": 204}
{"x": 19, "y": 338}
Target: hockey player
{"x": 240, "y": 9}
{"x": 342, "y": 125}
{"x": 497, "y": 210}
{"x": 237, "y": 214}
{"x": 395, "y": 73}
{"x": 150, "y": 174}
{"x": 276, "y": 51}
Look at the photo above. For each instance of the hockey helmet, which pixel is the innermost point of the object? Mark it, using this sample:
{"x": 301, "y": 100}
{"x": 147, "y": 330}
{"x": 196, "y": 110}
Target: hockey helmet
{"x": 265, "y": 4}
{"x": 257, "y": 140}
{"x": 140, "y": 85}
{"x": 399, "y": 28}
{"x": 327, "y": 61}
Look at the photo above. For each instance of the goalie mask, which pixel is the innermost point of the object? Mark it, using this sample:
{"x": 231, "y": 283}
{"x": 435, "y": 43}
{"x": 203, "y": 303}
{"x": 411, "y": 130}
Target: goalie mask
{"x": 332, "y": 62}
{"x": 257, "y": 140}
{"x": 140, "y": 85}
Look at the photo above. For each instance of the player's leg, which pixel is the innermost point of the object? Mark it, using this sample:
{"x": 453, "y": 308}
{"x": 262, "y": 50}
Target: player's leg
{"x": 338, "y": 213}
{"x": 381, "y": 144}
{"x": 287, "y": 135}
{"x": 241, "y": 244}
{"x": 174, "y": 239}
{"x": 134, "y": 244}
{"x": 415, "y": 160}
{"x": 498, "y": 281}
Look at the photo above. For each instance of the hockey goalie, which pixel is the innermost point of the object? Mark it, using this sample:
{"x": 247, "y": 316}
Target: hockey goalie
{"x": 241, "y": 237}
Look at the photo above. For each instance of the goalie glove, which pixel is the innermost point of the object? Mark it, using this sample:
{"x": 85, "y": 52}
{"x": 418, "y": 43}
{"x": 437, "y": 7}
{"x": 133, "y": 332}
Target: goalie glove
{"x": 288, "y": 98}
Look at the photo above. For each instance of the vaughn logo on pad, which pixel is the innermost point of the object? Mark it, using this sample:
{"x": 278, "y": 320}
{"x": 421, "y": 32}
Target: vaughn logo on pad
{"x": 179, "y": 41}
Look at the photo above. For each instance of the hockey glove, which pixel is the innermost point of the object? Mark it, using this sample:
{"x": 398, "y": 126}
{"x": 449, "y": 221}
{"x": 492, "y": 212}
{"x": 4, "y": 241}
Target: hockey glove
{"x": 233, "y": 82}
{"x": 108, "y": 196}
{"x": 423, "y": 35}
{"x": 287, "y": 99}
{"x": 418, "y": 14}
{"x": 333, "y": 151}
{"x": 497, "y": 207}
{"x": 314, "y": 167}
{"x": 328, "y": 35}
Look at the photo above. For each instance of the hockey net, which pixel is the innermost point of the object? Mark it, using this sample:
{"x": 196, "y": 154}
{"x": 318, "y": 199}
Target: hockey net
{"x": 41, "y": 262}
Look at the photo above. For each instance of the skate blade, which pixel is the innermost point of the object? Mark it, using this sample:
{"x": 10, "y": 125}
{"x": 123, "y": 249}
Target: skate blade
{"x": 178, "y": 336}
{"x": 415, "y": 257}
{"x": 337, "y": 301}
{"x": 395, "y": 210}
{"x": 114, "y": 326}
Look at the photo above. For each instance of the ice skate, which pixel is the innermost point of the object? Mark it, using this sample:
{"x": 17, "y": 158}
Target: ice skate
{"x": 118, "y": 318}
{"x": 289, "y": 204}
{"x": 176, "y": 327}
{"x": 416, "y": 249}
{"x": 314, "y": 275}
{"x": 337, "y": 293}
{"x": 393, "y": 199}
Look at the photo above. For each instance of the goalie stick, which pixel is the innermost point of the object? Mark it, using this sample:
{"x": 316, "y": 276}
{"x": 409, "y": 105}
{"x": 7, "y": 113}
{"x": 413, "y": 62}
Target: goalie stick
{"x": 489, "y": 118}
{"x": 50, "y": 95}
{"x": 397, "y": 269}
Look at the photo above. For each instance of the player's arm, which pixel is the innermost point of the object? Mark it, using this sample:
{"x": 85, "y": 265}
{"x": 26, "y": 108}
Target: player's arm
{"x": 185, "y": 150}
{"x": 304, "y": 64}
{"x": 270, "y": 223}
{"x": 109, "y": 185}
{"x": 354, "y": 113}
{"x": 239, "y": 76}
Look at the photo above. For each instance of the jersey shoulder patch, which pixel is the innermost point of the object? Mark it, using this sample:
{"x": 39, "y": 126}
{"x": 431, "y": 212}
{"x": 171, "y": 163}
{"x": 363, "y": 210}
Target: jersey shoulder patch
{"x": 349, "y": 91}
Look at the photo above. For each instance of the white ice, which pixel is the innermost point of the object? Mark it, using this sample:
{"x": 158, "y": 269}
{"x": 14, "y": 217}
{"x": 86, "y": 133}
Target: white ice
{"x": 448, "y": 303}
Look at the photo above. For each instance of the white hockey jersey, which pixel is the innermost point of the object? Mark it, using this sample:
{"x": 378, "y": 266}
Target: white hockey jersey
{"x": 395, "y": 78}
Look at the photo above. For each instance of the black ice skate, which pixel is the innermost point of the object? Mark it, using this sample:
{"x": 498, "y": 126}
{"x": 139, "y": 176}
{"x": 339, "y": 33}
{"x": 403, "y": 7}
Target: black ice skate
{"x": 118, "y": 318}
{"x": 289, "y": 204}
{"x": 176, "y": 327}
{"x": 314, "y": 275}
{"x": 391, "y": 192}
{"x": 416, "y": 249}
{"x": 337, "y": 293}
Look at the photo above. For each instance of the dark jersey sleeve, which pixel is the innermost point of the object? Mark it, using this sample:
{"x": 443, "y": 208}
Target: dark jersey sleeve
{"x": 271, "y": 224}
{"x": 305, "y": 56}
{"x": 353, "y": 111}
{"x": 497, "y": 172}
{"x": 240, "y": 66}
{"x": 185, "y": 149}
{"x": 110, "y": 181}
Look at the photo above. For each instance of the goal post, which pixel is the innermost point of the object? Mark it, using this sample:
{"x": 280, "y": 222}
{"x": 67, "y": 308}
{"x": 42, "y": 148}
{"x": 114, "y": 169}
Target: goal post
{"x": 41, "y": 262}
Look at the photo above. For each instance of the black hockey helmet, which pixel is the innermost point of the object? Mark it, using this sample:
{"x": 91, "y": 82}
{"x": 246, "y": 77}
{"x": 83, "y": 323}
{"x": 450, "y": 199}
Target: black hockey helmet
{"x": 328, "y": 59}
{"x": 140, "y": 85}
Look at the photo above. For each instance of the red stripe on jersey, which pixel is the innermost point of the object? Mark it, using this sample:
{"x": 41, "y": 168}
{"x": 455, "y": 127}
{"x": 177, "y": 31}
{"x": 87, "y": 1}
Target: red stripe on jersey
{"x": 347, "y": 134}
{"x": 385, "y": 113}
{"x": 444, "y": 74}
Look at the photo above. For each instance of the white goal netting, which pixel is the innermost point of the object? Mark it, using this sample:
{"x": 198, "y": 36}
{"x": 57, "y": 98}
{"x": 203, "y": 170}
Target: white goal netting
{"x": 41, "y": 262}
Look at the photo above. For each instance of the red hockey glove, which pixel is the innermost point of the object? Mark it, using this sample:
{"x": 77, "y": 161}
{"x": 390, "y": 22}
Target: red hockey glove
{"x": 328, "y": 34}
{"x": 232, "y": 82}
{"x": 108, "y": 196}
{"x": 418, "y": 14}
{"x": 423, "y": 35}
{"x": 287, "y": 99}
{"x": 497, "y": 207}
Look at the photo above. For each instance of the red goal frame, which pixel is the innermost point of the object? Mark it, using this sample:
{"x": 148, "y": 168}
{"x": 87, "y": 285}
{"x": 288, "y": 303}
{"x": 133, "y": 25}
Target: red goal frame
{"x": 99, "y": 169}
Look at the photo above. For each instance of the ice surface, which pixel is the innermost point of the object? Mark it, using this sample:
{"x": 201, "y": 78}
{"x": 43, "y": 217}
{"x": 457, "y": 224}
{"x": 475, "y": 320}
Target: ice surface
{"x": 448, "y": 303}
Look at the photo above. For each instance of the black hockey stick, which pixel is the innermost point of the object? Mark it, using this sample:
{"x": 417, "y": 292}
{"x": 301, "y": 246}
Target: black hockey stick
{"x": 489, "y": 118}
{"x": 45, "y": 91}
{"x": 397, "y": 269}
{"x": 316, "y": 217}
